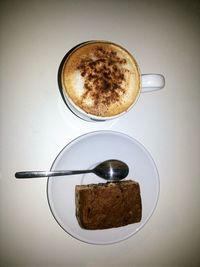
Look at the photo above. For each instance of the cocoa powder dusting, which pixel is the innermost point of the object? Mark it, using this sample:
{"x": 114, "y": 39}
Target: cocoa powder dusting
{"x": 104, "y": 74}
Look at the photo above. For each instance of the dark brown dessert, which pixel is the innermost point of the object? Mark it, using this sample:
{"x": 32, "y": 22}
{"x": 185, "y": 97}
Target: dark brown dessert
{"x": 102, "y": 206}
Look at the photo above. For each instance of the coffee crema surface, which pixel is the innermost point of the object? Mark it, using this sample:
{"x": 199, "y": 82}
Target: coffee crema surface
{"x": 101, "y": 78}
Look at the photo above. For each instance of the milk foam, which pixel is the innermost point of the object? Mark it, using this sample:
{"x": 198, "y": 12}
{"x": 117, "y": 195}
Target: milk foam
{"x": 88, "y": 101}
{"x": 78, "y": 83}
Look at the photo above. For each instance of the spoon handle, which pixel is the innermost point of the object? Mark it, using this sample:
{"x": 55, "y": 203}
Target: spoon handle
{"x": 39, "y": 174}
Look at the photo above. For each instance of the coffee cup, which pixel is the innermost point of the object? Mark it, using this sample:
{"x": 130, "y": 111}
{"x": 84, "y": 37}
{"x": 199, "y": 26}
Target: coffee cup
{"x": 101, "y": 80}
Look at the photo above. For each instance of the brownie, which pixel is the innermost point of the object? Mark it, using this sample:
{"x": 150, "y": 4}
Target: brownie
{"x": 108, "y": 205}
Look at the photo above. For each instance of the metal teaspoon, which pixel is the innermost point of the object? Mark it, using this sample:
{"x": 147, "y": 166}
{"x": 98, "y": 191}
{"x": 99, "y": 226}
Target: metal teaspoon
{"x": 111, "y": 170}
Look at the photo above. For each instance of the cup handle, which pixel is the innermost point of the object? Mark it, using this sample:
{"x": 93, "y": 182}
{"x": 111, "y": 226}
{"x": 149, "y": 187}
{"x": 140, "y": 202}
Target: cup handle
{"x": 152, "y": 82}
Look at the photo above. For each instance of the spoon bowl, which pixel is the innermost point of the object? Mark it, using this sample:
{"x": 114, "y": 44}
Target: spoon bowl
{"x": 111, "y": 170}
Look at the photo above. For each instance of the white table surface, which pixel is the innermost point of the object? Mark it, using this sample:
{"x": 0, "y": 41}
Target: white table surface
{"x": 35, "y": 125}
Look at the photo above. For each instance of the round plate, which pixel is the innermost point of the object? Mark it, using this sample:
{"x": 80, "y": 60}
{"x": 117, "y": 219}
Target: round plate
{"x": 85, "y": 152}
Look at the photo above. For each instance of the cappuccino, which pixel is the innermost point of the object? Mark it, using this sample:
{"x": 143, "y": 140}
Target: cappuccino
{"x": 101, "y": 79}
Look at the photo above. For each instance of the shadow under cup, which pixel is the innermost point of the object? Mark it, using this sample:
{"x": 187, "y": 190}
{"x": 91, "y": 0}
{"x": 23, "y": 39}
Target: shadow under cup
{"x": 77, "y": 110}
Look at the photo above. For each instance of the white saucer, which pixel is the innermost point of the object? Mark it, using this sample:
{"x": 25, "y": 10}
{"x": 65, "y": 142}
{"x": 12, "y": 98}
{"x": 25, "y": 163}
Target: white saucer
{"x": 83, "y": 153}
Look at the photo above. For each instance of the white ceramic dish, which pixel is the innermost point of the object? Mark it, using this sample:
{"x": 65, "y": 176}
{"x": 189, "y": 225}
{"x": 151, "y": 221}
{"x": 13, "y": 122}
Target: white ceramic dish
{"x": 83, "y": 153}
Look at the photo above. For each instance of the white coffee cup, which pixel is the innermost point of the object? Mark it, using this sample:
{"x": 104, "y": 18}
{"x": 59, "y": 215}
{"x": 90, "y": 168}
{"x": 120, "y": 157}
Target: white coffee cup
{"x": 144, "y": 82}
